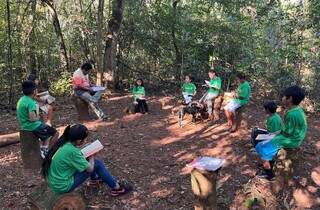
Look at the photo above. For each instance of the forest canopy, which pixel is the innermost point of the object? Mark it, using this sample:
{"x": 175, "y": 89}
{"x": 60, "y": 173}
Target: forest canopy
{"x": 275, "y": 42}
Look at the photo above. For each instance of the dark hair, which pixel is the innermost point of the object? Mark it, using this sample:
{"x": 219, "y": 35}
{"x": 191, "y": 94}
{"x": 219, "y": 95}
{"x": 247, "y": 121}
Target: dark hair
{"x": 137, "y": 81}
{"x": 190, "y": 77}
{"x": 86, "y": 66}
{"x": 271, "y": 106}
{"x": 28, "y": 87}
{"x": 71, "y": 133}
{"x": 241, "y": 75}
{"x": 32, "y": 77}
{"x": 296, "y": 93}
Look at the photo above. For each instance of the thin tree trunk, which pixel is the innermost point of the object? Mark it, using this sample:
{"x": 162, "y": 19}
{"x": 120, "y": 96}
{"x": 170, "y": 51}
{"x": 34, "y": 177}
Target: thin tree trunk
{"x": 99, "y": 41}
{"x": 84, "y": 36}
{"x": 57, "y": 27}
{"x": 9, "y": 55}
{"x": 178, "y": 60}
{"x": 109, "y": 62}
{"x": 31, "y": 40}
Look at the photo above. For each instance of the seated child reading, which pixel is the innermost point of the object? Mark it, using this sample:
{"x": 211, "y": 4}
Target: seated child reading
{"x": 213, "y": 92}
{"x": 273, "y": 122}
{"x": 29, "y": 119}
{"x": 139, "y": 100}
{"x": 241, "y": 98}
{"x": 292, "y": 133}
{"x": 46, "y": 106}
{"x": 188, "y": 90}
{"x": 66, "y": 168}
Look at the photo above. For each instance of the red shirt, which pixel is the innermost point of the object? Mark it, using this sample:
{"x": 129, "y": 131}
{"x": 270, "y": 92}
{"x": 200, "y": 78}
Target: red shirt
{"x": 80, "y": 80}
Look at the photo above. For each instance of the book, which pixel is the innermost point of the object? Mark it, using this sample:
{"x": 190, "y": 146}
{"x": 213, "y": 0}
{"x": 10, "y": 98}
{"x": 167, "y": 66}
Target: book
{"x": 92, "y": 148}
{"x": 268, "y": 136}
{"x": 45, "y": 96}
{"x": 207, "y": 163}
{"x": 98, "y": 88}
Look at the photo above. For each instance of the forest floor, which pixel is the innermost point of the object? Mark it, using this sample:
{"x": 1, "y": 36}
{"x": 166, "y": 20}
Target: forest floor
{"x": 151, "y": 152}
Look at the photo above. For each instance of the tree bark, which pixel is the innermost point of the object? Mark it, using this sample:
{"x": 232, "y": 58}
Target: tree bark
{"x": 109, "y": 62}
{"x": 84, "y": 36}
{"x": 99, "y": 41}
{"x": 31, "y": 41}
{"x": 9, "y": 55}
{"x": 57, "y": 28}
{"x": 178, "y": 59}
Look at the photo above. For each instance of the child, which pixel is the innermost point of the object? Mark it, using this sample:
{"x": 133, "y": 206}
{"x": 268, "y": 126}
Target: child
{"x": 292, "y": 133}
{"x": 188, "y": 90}
{"x": 241, "y": 99}
{"x": 138, "y": 92}
{"x": 28, "y": 118}
{"x": 213, "y": 92}
{"x": 66, "y": 168}
{"x": 273, "y": 122}
{"x": 46, "y": 106}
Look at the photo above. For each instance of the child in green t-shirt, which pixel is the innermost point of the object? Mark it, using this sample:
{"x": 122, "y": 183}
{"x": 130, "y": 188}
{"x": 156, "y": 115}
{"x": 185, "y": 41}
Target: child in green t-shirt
{"x": 214, "y": 89}
{"x": 29, "y": 119}
{"x": 139, "y": 100}
{"x": 241, "y": 98}
{"x": 66, "y": 168}
{"x": 273, "y": 123}
{"x": 188, "y": 89}
{"x": 292, "y": 134}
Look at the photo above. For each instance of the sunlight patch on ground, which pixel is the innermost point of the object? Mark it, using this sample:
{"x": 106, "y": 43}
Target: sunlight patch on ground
{"x": 7, "y": 159}
{"x": 303, "y": 198}
{"x": 117, "y": 98}
{"x": 162, "y": 193}
{"x": 315, "y": 175}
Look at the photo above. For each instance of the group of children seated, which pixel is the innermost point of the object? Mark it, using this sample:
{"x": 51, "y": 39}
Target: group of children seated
{"x": 65, "y": 167}
{"x": 239, "y": 99}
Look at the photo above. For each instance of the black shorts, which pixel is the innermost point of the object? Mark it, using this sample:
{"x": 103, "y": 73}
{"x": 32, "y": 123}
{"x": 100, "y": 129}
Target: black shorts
{"x": 44, "y": 131}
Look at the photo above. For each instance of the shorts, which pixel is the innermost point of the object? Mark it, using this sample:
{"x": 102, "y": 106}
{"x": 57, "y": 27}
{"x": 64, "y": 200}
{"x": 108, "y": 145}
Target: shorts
{"x": 267, "y": 150}
{"x": 44, "y": 131}
{"x": 232, "y": 106}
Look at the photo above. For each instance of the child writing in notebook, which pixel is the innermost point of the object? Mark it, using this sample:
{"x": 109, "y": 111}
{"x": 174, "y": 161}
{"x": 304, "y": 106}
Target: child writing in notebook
{"x": 188, "y": 89}
{"x": 66, "y": 168}
{"x": 292, "y": 134}
{"x": 273, "y": 123}
{"x": 139, "y": 100}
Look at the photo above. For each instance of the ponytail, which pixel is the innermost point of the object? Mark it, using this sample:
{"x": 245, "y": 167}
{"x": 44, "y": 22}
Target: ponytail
{"x": 47, "y": 161}
{"x": 71, "y": 133}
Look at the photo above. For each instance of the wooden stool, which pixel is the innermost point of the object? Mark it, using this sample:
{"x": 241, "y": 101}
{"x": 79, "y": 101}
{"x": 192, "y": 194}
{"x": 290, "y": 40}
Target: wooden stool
{"x": 283, "y": 168}
{"x": 239, "y": 117}
{"x": 82, "y": 108}
{"x": 217, "y": 103}
{"x": 204, "y": 189}
{"x": 42, "y": 198}
{"x": 30, "y": 150}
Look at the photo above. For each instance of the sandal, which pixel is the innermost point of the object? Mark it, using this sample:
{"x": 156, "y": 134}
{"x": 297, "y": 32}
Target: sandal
{"x": 124, "y": 189}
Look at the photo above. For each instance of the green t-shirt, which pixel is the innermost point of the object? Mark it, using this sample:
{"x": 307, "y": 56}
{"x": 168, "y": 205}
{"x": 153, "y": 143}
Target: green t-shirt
{"x": 274, "y": 123}
{"x": 25, "y": 105}
{"x": 215, "y": 85}
{"x": 189, "y": 88}
{"x": 138, "y": 91}
{"x": 294, "y": 129}
{"x": 65, "y": 163}
{"x": 243, "y": 93}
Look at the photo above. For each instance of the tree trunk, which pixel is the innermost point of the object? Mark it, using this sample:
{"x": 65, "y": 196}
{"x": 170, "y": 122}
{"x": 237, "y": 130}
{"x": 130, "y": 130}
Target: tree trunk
{"x": 178, "y": 59}
{"x": 109, "y": 63}
{"x": 99, "y": 41}
{"x": 84, "y": 37}
{"x": 31, "y": 41}
{"x": 57, "y": 28}
{"x": 9, "y": 56}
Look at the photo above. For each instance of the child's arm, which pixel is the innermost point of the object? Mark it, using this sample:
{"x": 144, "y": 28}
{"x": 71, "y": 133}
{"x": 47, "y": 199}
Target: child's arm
{"x": 91, "y": 164}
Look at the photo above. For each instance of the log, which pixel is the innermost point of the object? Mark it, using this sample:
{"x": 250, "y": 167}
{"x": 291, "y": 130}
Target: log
{"x": 9, "y": 139}
{"x": 240, "y": 122}
{"x": 82, "y": 108}
{"x": 42, "y": 198}
{"x": 217, "y": 107}
{"x": 203, "y": 185}
{"x": 30, "y": 151}
{"x": 283, "y": 169}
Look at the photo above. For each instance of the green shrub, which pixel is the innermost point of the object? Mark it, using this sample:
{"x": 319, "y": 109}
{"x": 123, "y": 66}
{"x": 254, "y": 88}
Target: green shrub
{"x": 62, "y": 86}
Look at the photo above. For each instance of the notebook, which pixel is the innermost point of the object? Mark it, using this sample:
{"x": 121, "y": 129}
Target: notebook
{"x": 98, "y": 88}
{"x": 92, "y": 148}
{"x": 45, "y": 96}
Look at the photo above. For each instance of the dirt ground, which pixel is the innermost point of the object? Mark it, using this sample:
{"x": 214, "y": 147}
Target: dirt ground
{"x": 151, "y": 152}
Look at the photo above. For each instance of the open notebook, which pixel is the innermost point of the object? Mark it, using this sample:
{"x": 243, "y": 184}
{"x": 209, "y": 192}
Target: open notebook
{"x": 92, "y": 148}
{"x": 46, "y": 97}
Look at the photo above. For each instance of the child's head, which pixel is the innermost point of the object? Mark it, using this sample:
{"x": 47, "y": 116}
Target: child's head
{"x": 293, "y": 96}
{"x": 270, "y": 107}
{"x": 33, "y": 78}
{"x": 241, "y": 77}
{"x": 211, "y": 73}
{"x": 86, "y": 68}
{"x": 28, "y": 88}
{"x": 139, "y": 82}
{"x": 188, "y": 79}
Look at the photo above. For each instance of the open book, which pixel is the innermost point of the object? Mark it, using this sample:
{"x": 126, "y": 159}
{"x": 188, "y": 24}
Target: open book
{"x": 92, "y": 148}
{"x": 98, "y": 88}
{"x": 268, "y": 136}
{"x": 45, "y": 96}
